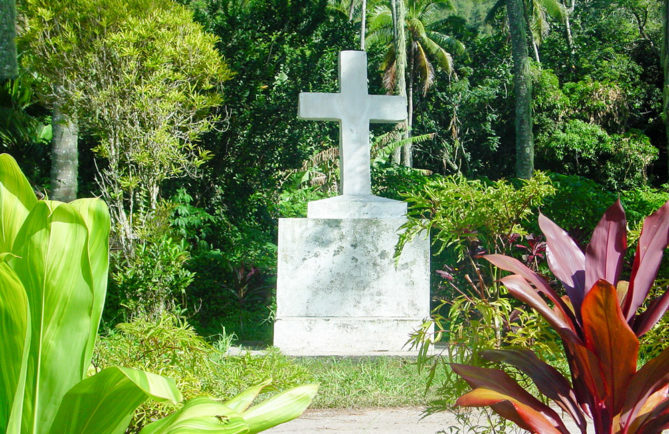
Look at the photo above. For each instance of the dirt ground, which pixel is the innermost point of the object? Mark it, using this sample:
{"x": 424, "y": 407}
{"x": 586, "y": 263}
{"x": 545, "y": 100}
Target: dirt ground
{"x": 371, "y": 420}
{"x": 389, "y": 420}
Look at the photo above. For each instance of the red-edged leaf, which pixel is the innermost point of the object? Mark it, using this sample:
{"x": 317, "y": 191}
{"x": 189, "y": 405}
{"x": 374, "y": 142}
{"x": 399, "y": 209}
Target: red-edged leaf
{"x": 606, "y": 251}
{"x": 657, "y": 420}
{"x": 608, "y": 335}
{"x": 520, "y": 289}
{"x": 510, "y": 408}
{"x": 565, "y": 259}
{"x": 515, "y": 266}
{"x": 499, "y": 381}
{"x": 587, "y": 380}
{"x": 654, "y": 239}
{"x": 547, "y": 379}
{"x": 655, "y": 312}
{"x": 651, "y": 377}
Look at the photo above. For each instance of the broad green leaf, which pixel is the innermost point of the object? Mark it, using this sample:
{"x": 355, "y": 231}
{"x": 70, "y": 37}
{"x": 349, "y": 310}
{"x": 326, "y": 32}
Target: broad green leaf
{"x": 96, "y": 216}
{"x": 243, "y": 401}
{"x": 280, "y": 408}
{"x": 14, "y": 346}
{"x": 199, "y": 414}
{"x": 16, "y": 200}
{"x": 105, "y": 402}
{"x": 608, "y": 335}
{"x": 52, "y": 263}
{"x": 509, "y": 408}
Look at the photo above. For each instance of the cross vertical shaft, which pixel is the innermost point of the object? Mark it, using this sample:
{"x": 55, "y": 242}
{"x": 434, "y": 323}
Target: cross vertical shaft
{"x": 354, "y": 109}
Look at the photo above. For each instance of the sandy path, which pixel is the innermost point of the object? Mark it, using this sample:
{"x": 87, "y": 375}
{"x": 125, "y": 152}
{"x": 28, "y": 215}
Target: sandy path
{"x": 369, "y": 420}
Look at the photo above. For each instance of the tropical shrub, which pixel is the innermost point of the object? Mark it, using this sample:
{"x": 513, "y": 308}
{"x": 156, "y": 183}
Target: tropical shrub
{"x": 599, "y": 322}
{"x": 53, "y": 275}
{"x": 152, "y": 280}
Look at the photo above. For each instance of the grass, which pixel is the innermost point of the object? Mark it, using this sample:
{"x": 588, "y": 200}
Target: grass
{"x": 366, "y": 382}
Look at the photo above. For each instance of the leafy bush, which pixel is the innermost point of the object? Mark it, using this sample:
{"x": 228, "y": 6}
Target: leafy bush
{"x": 592, "y": 197}
{"x": 599, "y": 326}
{"x": 617, "y": 161}
{"x": 169, "y": 345}
{"x": 153, "y": 280}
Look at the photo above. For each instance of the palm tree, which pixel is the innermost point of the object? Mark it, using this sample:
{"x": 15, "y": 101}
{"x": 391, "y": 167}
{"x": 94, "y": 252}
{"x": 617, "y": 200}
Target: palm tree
{"x": 536, "y": 13}
{"x": 426, "y": 46}
{"x": 8, "y": 66}
{"x": 665, "y": 66}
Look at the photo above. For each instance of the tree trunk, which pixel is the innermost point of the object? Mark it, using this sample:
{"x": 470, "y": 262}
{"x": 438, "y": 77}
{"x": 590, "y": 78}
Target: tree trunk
{"x": 567, "y": 24}
{"x": 406, "y": 149}
{"x": 665, "y": 66}
{"x": 522, "y": 89}
{"x": 400, "y": 62}
{"x": 8, "y": 65}
{"x": 351, "y": 9}
{"x": 64, "y": 157}
{"x": 363, "y": 23}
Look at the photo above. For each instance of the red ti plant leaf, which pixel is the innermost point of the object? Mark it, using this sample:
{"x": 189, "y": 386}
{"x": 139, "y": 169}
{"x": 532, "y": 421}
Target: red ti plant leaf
{"x": 547, "y": 379}
{"x": 657, "y": 420}
{"x": 521, "y": 290}
{"x": 498, "y": 381}
{"x": 652, "y": 315}
{"x": 605, "y": 253}
{"x": 509, "y": 408}
{"x": 515, "y": 266}
{"x": 654, "y": 239}
{"x": 652, "y": 377}
{"x": 608, "y": 335}
{"x": 565, "y": 259}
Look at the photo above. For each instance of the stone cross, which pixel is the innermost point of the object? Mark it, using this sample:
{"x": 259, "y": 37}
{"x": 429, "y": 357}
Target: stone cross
{"x": 354, "y": 109}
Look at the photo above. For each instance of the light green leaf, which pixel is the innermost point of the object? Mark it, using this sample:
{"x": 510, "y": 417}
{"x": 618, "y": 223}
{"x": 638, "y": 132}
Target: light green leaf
{"x": 199, "y": 414}
{"x": 14, "y": 345}
{"x": 96, "y": 216}
{"x": 52, "y": 263}
{"x": 243, "y": 401}
{"x": 17, "y": 199}
{"x": 281, "y": 408}
{"x": 105, "y": 402}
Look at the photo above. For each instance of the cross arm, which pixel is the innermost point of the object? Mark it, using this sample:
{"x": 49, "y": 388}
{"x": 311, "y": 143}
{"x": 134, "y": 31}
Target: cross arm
{"x": 387, "y": 108}
{"x": 319, "y": 106}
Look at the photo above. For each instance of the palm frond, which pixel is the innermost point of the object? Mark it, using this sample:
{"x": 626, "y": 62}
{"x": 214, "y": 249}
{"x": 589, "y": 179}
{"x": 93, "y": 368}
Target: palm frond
{"x": 435, "y": 11}
{"x": 490, "y": 16}
{"x": 448, "y": 43}
{"x": 386, "y": 144}
{"x": 425, "y": 69}
{"x": 554, "y": 9}
{"x": 443, "y": 57}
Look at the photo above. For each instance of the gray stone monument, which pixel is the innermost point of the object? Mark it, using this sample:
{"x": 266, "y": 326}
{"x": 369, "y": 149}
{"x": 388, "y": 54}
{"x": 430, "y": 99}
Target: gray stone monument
{"x": 339, "y": 289}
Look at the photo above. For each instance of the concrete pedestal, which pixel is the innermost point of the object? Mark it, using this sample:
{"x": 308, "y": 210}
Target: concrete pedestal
{"x": 340, "y": 292}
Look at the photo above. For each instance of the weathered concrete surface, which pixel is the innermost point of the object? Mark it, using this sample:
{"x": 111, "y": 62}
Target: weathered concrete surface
{"x": 340, "y": 292}
{"x": 356, "y": 206}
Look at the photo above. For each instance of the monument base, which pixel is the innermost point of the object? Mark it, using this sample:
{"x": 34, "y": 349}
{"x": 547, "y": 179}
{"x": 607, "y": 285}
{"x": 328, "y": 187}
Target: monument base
{"x": 340, "y": 290}
{"x": 339, "y": 336}
{"x": 356, "y": 206}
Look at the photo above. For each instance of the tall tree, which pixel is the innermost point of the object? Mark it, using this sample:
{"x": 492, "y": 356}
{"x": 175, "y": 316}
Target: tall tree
{"x": 8, "y": 66}
{"x": 399, "y": 37}
{"x": 426, "y": 45}
{"x": 522, "y": 88}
